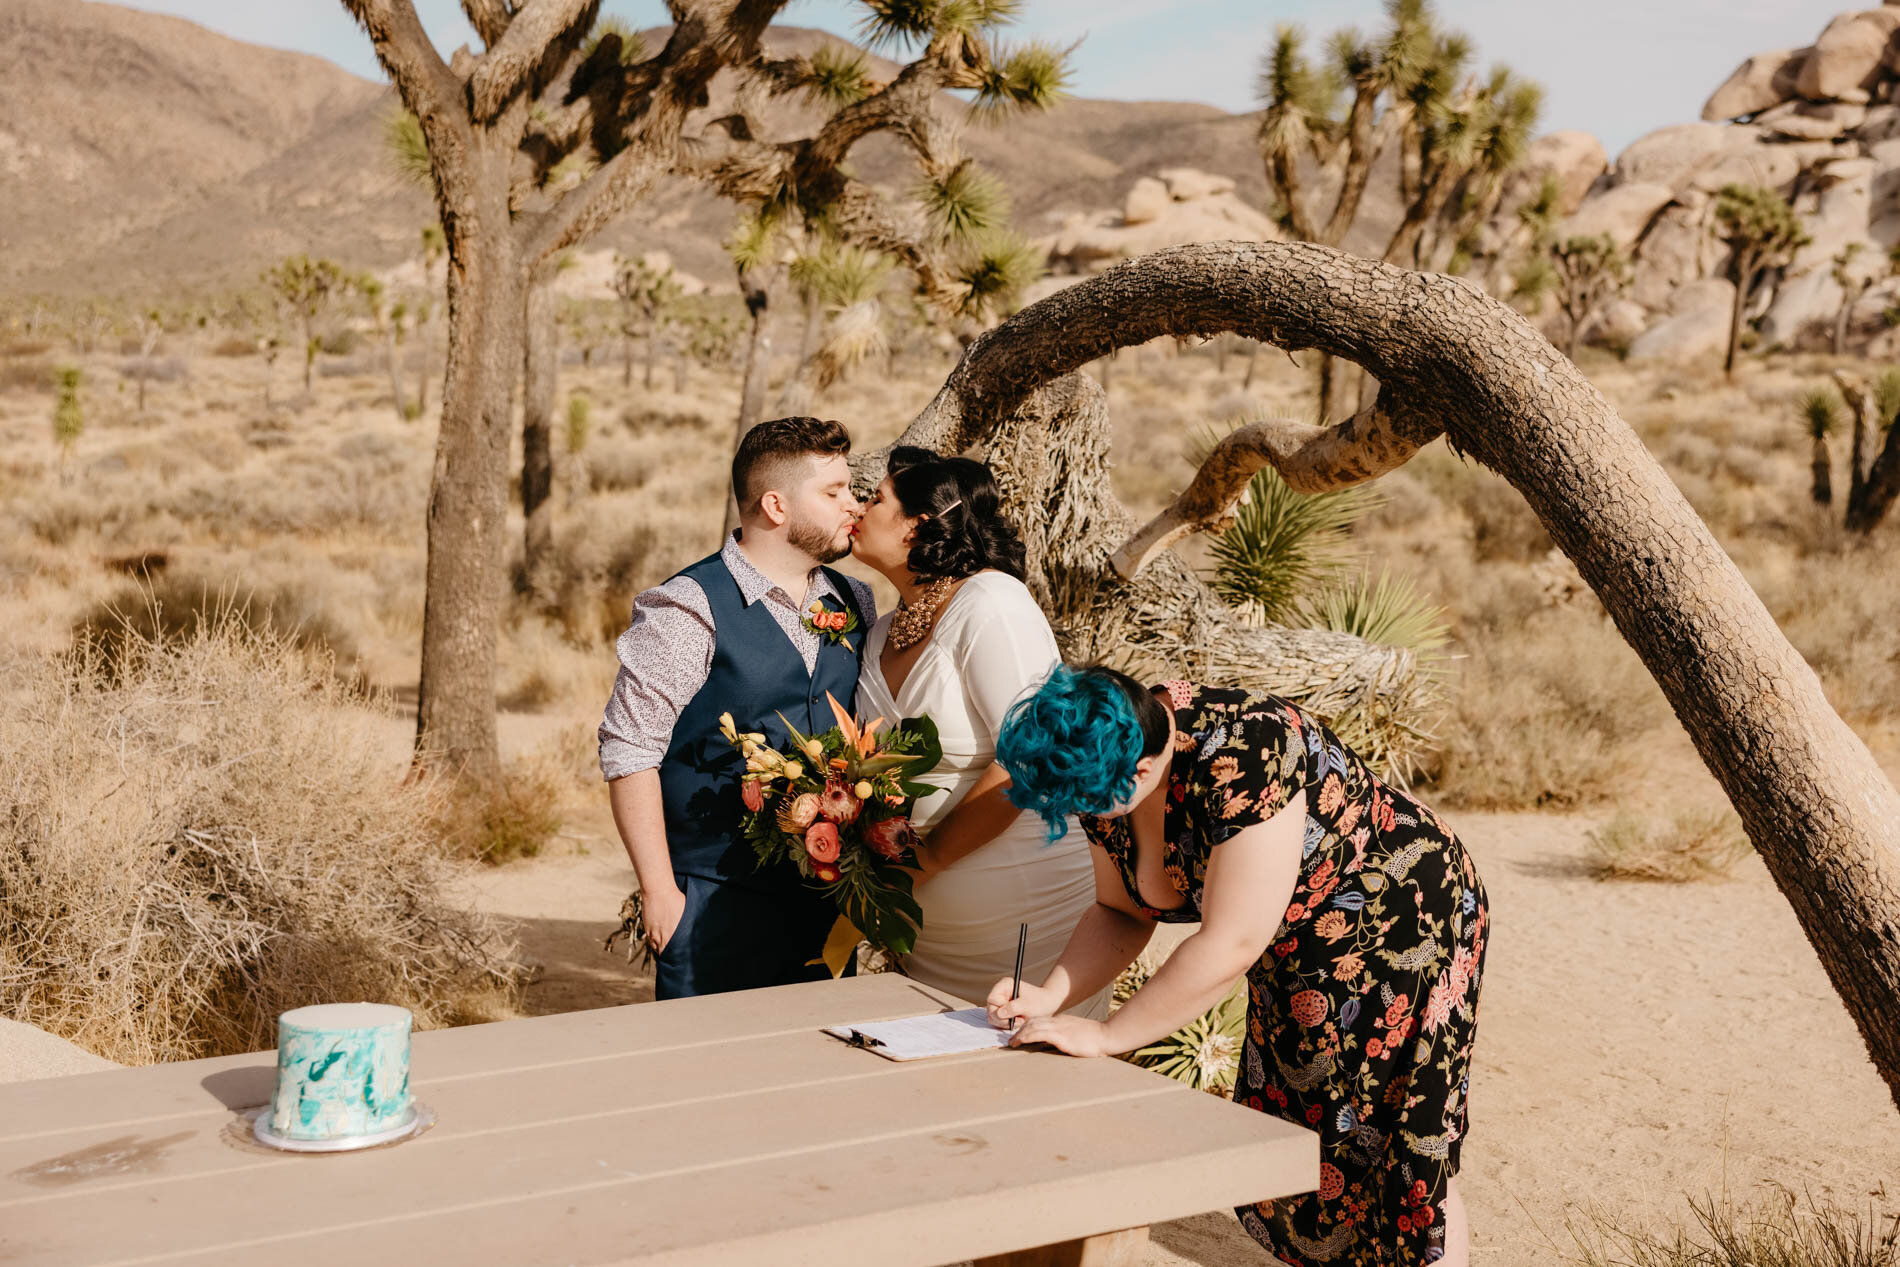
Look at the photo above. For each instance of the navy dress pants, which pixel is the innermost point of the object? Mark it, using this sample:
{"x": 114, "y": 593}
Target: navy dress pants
{"x": 733, "y": 938}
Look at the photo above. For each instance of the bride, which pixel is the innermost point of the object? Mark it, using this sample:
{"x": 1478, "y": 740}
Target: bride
{"x": 966, "y": 642}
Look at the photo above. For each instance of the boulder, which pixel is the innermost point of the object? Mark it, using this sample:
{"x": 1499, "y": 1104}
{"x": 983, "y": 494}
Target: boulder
{"x": 1683, "y": 338}
{"x": 1881, "y": 124}
{"x": 1812, "y": 120}
{"x": 1771, "y": 166}
{"x": 1623, "y": 213}
{"x": 1145, "y": 202}
{"x": 1676, "y": 251}
{"x": 1763, "y": 81}
{"x": 1616, "y": 323}
{"x": 1576, "y": 159}
{"x": 1710, "y": 292}
{"x": 1849, "y": 54}
{"x": 1803, "y": 308}
{"x": 1671, "y": 156}
{"x": 1187, "y": 183}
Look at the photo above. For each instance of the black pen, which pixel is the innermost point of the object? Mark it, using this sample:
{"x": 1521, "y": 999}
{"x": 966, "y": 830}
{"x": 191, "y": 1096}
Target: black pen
{"x": 1016, "y": 984}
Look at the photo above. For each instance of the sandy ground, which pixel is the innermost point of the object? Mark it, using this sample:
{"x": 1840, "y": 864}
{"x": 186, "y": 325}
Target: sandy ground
{"x": 1638, "y": 1044}
{"x": 27, "y": 1053}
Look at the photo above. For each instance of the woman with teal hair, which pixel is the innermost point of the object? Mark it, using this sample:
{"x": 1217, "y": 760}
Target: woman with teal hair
{"x": 1353, "y": 911}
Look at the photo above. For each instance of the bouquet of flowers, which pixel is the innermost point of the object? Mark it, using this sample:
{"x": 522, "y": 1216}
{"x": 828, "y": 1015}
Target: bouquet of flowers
{"x": 838, "y": 806}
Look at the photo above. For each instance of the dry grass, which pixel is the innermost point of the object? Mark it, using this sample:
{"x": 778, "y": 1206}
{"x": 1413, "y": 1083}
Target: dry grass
{"x": 170, "y": 607}
{"x": 515, "y": 818}
{"x": 209, "y": 836}
{"x": 1692, "y": 845}
{"x": 1776, "y": 1232}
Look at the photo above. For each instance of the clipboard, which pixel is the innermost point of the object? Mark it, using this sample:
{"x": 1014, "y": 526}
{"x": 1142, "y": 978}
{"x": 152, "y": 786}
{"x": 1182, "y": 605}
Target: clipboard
{"x": 921, "y": 1037}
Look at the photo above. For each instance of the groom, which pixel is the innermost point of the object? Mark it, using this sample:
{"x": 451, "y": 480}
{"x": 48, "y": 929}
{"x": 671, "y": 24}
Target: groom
{"x": 730, "y": 635}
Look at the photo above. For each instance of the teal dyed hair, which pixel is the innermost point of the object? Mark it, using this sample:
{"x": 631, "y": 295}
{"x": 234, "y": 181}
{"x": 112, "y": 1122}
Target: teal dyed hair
{"x": 1072, "y": 747}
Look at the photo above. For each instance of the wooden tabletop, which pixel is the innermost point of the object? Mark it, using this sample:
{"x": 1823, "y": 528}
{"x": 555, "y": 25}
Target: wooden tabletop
{"x": 720, "y": 1130}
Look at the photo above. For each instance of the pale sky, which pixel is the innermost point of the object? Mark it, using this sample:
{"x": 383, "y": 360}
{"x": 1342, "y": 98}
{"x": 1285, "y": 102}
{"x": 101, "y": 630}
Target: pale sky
{"x": 1618, "y": 68}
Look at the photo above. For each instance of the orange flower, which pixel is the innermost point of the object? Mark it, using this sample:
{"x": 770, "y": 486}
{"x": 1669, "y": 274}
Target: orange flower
{"x": 753, "y": 794}
{"x": 1332, "y": 794}
{"x": 1225, "y": 770}
{"x": 1308, "y": 1007}
{"x": 1348, "y": 966}
{"x": 826, "y": 872}
{"x": 1332, "y": 926}
{"x": 821, "y": 842}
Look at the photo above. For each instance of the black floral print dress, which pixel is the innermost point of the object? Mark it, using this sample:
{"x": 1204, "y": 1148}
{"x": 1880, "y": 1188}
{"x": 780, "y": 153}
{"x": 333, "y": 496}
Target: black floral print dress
{"x": 1361, "y": 1013}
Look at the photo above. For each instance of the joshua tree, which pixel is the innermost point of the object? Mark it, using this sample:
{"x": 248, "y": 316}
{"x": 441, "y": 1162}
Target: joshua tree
{"x": 553, "y": 88}
{"x": 388, "y": 318}
{"x": 69, "y": 417}
{"x": 151, "y": 328}
{"x": 1589, "y": 270}
{"x": 1456, "y": 363}
{"x": 647, "y": 295}
{"x": 841, "y": 283}
{"x": 1873, "y": 479}
{"x": 306, "y": 286}
{"x": 1763, "y": 233}
{"x": 1821, "y": 412}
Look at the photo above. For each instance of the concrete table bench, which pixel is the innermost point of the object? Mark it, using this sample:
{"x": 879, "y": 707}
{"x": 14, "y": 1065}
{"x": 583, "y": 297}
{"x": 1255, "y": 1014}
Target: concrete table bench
{"x": 721, "y": 1131}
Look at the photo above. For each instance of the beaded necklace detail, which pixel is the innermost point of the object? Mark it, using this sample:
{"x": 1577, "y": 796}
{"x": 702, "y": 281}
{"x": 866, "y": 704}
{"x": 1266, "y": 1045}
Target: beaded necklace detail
{"x": 910, "y": 624}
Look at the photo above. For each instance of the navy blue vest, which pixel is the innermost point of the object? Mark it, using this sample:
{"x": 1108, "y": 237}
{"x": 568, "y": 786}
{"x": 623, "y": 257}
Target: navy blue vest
{"x": 756, "y": 674}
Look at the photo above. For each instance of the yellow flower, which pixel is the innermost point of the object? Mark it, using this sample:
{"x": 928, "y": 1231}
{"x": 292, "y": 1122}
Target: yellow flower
{"x": 792, "y": 770}
{"x": 863, "y": 790}
{"x": 814, "y": 750}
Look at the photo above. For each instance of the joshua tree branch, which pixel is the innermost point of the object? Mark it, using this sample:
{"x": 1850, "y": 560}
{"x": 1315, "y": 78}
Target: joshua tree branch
{"x": 510, "y": 64}
{"x": 489, "y": 18}
{"x": 428, "y": 86}
{"x": 1311, "y": 459}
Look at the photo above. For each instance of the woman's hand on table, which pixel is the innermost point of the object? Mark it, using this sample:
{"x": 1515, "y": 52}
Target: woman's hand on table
{"x": 1075, "y": 1035}
{"x": 1032, "y": 1003}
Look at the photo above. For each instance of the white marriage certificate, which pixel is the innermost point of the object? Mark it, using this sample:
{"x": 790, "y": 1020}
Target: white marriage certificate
{"x": 915, "y": 1037}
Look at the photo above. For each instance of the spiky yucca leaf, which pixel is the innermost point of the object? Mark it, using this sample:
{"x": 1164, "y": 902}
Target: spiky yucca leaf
{"x": 632, "y": 47}
{"x": 1820, "y": 411}
{"x": 408, "y": 150}
{"x": 839, "y": 274}
{"x": 1887, "y": 398}
{"x": 569, "y": 172}
{"x": 751, "y": 243}
{"x": 853, "y": 336}
{"x": 1298, "y": 100}
{"x": 839, "y": 76}
{"x": 997, "y": 268}
{"x": 1283, "y": 544}
{"x": 1033, "y": 76}
{"x": 1204, "y": 1053}
{"x": 897, "y": 22}
{"x": 1389, "y": 611}
{"x": 965, "y": 203}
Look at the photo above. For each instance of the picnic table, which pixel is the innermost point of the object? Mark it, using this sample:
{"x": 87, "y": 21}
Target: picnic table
{"x": 721, "y": 1130}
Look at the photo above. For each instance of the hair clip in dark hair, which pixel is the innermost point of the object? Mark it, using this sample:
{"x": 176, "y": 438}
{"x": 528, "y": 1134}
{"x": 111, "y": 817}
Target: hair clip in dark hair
{"x": 952, "y": 506}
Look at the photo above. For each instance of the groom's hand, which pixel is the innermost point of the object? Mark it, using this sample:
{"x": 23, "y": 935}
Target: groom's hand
{"x": 663, "y": 909}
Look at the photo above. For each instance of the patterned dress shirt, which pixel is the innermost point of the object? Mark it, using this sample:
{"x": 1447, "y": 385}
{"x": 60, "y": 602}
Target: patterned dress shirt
{"x": 666, "y": 654}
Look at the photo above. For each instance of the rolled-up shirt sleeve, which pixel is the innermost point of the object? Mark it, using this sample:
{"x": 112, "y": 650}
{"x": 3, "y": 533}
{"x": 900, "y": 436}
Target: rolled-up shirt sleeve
{"x": 665, "y": 655}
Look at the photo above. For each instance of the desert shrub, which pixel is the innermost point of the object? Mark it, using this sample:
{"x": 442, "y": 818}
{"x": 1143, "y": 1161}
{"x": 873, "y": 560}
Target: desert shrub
{"x": 1837, "y": 610}
{"x": 1550, "y": 712}
{"x": 155, "y": 369}
{"x": 1775, "y": 1232}
{"x": 513, "y": 817}
{"x": 209, "y": 836}
{"x": 26, "y": 347}
{"x": 171, "y": 606}
{"x": 234, "y": 345}
{"x": 1693, "y": 845}
{"x": 617, "y": 464}
{"x": 1503, "y": 526}
{"x": 599, "y": 565}
{"x": 31, "y": 375}
{"x": 339, "y": 342}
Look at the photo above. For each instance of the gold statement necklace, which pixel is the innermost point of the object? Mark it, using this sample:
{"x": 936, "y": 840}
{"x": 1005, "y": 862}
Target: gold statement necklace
{"x": 910, "y": 624}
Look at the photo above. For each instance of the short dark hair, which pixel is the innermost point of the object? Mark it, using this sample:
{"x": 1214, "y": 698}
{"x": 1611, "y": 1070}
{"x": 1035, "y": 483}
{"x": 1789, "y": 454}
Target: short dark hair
{"x": 769, "y": 448}
{"x": 967, "y": 531}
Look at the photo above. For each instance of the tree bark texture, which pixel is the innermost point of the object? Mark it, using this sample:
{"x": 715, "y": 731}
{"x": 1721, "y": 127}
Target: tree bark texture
{"x": 1823, "y": 815}
{"x": 540, "y": 379}
{"x": 468, "y": 495}
{"x": 1746, "y": 271}
{"x": 1821, "y": 466}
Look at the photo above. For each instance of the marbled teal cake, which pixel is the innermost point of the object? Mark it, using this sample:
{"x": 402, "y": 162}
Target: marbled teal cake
{"x": 342, "y": 1071}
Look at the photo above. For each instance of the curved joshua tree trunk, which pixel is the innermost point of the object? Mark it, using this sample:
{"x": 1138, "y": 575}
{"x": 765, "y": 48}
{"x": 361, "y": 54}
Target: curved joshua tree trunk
{"x": 1823, "y": 815}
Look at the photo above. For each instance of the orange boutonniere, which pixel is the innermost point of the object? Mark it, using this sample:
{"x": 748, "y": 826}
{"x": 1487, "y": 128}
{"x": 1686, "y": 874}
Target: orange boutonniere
{"x": 830, "y": 625}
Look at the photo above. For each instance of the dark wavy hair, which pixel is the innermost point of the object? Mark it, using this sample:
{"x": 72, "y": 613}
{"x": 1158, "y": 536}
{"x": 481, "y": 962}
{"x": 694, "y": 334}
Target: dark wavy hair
{"x": 967, "y": 530}
{"x": 1073, "y": 745}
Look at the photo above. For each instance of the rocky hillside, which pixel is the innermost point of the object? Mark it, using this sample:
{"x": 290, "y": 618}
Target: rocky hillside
{"x": 1820, "y": 125}
{"x": 142, "y": 154}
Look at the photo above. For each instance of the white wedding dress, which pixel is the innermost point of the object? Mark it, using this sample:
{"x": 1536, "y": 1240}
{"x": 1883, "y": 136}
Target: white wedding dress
{"x": 991, "y": 646}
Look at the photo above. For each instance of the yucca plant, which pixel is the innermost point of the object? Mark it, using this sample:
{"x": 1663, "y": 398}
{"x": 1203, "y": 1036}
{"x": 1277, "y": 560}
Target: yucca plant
{"x": 1389, "y": 611}
{"x": 1887, "y": 398}
{"x": 1821, "y": 414}
{"x": 1283, "y": 545}
{"x": 1204, "y": 1053}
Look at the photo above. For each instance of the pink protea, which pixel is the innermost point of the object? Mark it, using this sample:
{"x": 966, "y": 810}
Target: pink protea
{"x": 889, "y": 838}
{"x": 837, "y": 803}
{"x": 753, "y": 794}
{"x": 821, "y": 842}
{"x": 799, "y": 813}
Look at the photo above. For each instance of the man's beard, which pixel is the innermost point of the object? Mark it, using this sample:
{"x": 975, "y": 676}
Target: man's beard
{"x": 816, "y": 542}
